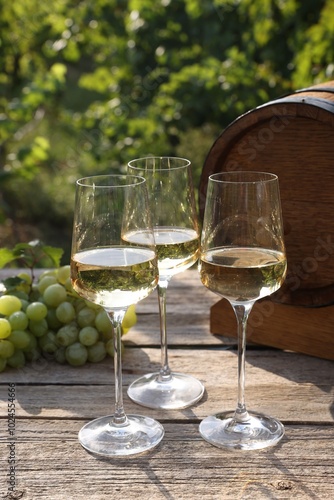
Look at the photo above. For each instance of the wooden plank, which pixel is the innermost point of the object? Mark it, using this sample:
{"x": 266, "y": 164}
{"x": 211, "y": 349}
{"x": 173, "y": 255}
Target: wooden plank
{"x": 306, "y": 404}
{"x": 187, "y": 324}
{"x": 182, "y": 330}
{"x": 52, "y": 465}
{"x": 292, "y": 387}
{"x": 216, "y": 364}
{"x": 54, "y": 401}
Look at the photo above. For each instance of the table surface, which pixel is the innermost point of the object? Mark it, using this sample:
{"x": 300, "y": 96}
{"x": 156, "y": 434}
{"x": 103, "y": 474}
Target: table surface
{"x": 52, "y": 402}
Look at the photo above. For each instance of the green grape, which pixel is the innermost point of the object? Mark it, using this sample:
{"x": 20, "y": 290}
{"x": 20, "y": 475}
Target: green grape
{"x": 86, "y": 317}
{"x": 130, "y": 318}
{"x": 110, "y": 347}
{"x": 18, "y": 320}
{"x": 67, "y": 335}
{"x": 17, "y": 360}
{"x": 48, "y": 272}
{"x": 5, "y": 328}
{"x": 65, "y": 312}
{"x": 36, "y": 311}
{"x": 26, "y": 277}
{"x": 35, "y": 295}
{"x": 45, "y": 282}
{"x": 69, "y": 288}
{"x": 3, "y": 364}
{"x": 60, "y": 355}
{"x": 19, "y": 338}
{"x": 25, "y": 285}
{"x": 38, "y": 328}
{"x": 79, "y": 304}
{"x": 33, "y": 354}
{"x": 96, "y": 352}
{"x": 103, "y": 324}
{"x": 54, "y": 295}
{"x": 76, "y": 354}
{"x": 52, "y": 320}
{"x": 48, "y": 343}
{"x": 9, "y": 304}
{"x": 91, "y": 305}
{"x": 25, "y": 304}
{"x": 71, "y": 299}
{"x": 6, "y": 349}
{"x": 88, "y": 335}
{"x": 20, "y": 294}
{"x": 63, "y": 274}
{"x": 24, "y": 290}
{"x": 32, "y": 343}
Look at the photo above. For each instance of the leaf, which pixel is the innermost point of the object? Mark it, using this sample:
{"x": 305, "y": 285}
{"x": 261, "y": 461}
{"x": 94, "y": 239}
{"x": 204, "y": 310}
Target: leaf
{"x": 59, "y": 70}
{"x": 25, "y": 252}
{"x": 12, "y": 282}
{"x": 32, "y": 254}
{"x": 54, "y": 253}
{"x": 6, "y": 256}
{"x": 20, "y": 248}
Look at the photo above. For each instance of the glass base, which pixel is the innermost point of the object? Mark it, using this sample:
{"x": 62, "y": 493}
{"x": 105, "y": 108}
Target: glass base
{"x": 257, "y": 432}
{"x": 102, "y": 437}
{"x": 179, "y": 391}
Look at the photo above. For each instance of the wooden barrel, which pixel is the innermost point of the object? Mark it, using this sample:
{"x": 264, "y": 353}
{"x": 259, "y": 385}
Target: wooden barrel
{"x": 292, "y": 137}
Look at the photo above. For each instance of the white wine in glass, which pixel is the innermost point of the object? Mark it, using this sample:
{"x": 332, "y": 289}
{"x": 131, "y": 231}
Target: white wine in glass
{"x": 242, "y": 259}
{"x": 176, "y": 232}
{"x": 114, "y": 274}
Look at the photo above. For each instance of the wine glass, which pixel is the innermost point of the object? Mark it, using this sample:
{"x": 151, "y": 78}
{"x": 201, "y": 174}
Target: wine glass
{"x": 242, "y": 259}
{"x": 176, "y": 232}
{"x": 108, "y": 270}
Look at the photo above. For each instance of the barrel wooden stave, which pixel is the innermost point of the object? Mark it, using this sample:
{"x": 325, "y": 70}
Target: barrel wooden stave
{"x": 292, "y": 137}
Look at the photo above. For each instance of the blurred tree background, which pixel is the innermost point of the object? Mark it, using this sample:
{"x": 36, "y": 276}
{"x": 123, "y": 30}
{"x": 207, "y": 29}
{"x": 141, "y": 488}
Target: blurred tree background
{"x": 87, "y": 85}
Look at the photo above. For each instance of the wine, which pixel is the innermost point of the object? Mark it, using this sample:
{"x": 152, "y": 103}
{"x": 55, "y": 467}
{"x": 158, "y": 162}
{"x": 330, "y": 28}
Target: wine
{"x": 242, "y": 274}
{"x": 114, "y": 277}
{"x": 177, "y": 247}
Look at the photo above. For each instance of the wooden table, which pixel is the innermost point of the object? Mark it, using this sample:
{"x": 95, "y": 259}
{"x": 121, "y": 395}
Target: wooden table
{"x": 52, "y": 403}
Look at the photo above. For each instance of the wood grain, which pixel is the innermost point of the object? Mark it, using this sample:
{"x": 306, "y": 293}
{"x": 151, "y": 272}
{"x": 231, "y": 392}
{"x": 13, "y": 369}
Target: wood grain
{"x": 301, "y": 329}
{"x": 54, "y": 401}
{"x": 291, "y": 137}
{"x": 183, "y": 466}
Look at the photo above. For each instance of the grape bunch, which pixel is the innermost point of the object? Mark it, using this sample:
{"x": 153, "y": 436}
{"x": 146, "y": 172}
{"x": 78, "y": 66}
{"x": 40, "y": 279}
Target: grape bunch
{"x": 48, "y": 318}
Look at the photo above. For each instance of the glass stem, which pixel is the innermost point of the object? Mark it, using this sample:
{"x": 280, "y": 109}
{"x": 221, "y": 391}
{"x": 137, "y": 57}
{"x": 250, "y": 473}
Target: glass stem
{"x": 242, "y": 312}
{"x": 164, "y": 373}
{"x": 116, "y": 318}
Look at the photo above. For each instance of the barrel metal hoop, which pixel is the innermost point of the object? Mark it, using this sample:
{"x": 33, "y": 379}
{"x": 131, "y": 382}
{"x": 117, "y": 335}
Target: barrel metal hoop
{"x": 311, "y": 101}
{"x": 330, "y": 90}
{"x": 316, "y": 89}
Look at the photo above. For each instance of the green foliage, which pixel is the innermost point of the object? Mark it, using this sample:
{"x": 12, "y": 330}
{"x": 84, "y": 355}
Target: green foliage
{"x": 87, "y": 86}
{"x": 31, "y": 255}
{"x": 316, "y": 58}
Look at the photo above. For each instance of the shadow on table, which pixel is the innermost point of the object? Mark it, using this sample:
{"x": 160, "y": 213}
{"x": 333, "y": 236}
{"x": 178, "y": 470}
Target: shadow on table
{"x": 78, "y": 392}
{"x": 299, "y": 368}
{"x": 161, "y": 467}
